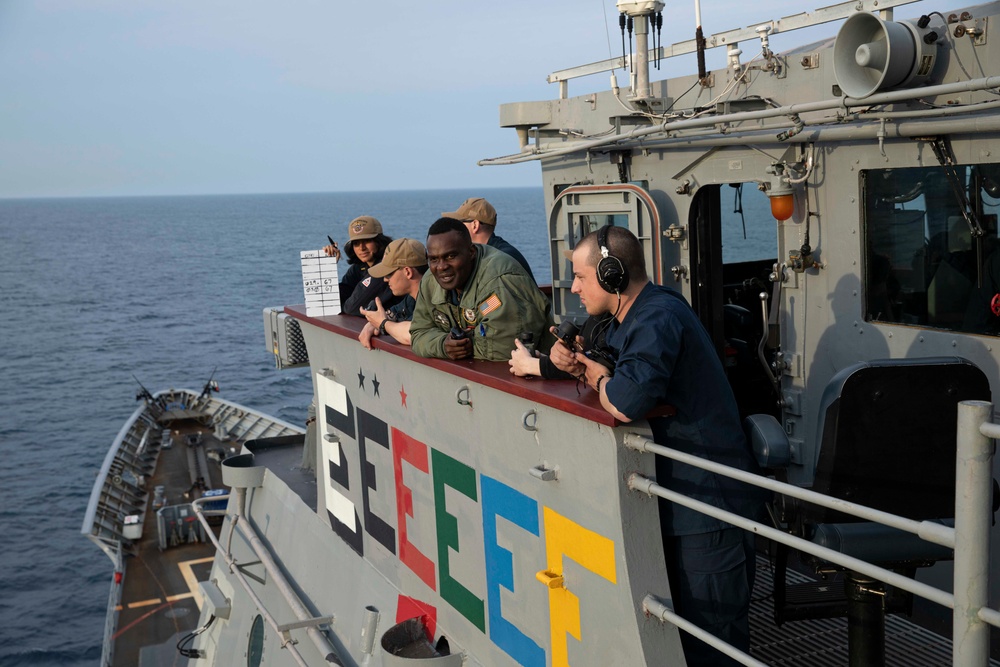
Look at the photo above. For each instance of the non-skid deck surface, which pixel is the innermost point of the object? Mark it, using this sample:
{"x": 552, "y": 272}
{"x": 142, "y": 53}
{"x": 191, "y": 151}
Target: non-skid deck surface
{"x": 823, "y": 642}
{"x": 160, "y": 588}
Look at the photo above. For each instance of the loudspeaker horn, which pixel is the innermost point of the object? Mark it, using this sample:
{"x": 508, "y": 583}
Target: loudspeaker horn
{"x": 871, "y": 55}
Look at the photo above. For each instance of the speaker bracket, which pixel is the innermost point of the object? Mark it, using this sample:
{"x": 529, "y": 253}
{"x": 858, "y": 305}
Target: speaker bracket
{"x": 780, "y": 66}
{"x": 977, "y": 30}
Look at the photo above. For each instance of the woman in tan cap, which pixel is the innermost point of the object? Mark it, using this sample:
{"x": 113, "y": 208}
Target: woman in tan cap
{"x": 365, "y": 246}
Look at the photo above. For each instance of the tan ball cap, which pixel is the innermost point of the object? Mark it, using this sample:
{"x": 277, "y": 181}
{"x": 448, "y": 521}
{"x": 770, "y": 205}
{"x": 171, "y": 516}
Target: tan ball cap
{"x": 474, "y": 208}
{"x": 399, "y": 253}
{"x": 363, "y": 227}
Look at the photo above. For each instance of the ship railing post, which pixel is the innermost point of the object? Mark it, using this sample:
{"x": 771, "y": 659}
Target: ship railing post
{"x": 973, "y": 486}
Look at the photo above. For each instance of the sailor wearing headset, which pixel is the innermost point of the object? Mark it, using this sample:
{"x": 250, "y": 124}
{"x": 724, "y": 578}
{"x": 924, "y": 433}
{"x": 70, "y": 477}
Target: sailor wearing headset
{"x": 666, "y": 357}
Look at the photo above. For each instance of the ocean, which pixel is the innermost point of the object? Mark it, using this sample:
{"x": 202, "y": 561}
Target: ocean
{"x": 167, "y": 289}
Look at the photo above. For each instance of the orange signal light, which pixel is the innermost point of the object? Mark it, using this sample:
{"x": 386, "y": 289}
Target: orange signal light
{"x": 782, "y": 207}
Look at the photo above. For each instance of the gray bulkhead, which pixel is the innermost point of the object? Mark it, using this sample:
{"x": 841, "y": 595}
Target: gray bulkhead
{"x": 822, "y": 318}
{"x": 474, "y": 453}
{"x": 825, "y": 317}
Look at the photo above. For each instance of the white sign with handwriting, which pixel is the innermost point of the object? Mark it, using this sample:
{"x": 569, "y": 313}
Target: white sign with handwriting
{"x": 320, "y": 283}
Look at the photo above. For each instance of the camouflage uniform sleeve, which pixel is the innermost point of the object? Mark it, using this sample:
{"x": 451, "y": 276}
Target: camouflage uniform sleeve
{"x": 426, "y": 338}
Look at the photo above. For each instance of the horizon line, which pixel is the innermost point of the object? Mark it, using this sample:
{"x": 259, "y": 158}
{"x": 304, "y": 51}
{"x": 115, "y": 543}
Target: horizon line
{"x": 261, "y": 194}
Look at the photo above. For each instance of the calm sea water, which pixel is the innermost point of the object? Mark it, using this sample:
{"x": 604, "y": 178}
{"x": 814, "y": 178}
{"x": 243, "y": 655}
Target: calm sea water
{"x": 166, "y": 288}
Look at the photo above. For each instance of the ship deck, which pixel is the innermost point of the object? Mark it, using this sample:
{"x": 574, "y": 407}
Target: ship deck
{"x": 160, "y": 602}
{"x": 823, "y": 642}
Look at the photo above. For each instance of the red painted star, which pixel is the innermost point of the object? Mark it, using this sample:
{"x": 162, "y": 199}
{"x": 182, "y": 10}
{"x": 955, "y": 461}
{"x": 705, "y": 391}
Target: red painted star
{"x": 402, "y": 394}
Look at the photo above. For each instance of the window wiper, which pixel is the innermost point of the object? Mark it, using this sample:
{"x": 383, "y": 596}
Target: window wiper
{"x": 946, "y": 158}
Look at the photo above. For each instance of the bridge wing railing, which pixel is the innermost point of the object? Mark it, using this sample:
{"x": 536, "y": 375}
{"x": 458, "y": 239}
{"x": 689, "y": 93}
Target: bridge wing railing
{"x": 969, "y": 538}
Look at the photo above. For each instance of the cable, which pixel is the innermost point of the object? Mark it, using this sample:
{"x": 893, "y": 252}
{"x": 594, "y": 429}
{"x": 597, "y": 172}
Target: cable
{"x": 188, "y": 638}
{"x": 664, "y": 114}
{"x": 808, "y": 169}
{"x": 742, "y": 78}
{"x": 604, "y": 324}
{"x": 708, "y": 107}
{"x": 607, "y": 33}
{"x": 954, "y": 50}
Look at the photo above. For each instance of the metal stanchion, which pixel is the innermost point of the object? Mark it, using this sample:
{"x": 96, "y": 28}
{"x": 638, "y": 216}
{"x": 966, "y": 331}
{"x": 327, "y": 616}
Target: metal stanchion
{"x": 973, "y": 487}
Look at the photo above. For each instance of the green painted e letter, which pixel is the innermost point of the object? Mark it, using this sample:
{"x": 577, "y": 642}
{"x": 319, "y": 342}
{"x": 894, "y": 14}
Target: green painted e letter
{"x": 462, "y": 478}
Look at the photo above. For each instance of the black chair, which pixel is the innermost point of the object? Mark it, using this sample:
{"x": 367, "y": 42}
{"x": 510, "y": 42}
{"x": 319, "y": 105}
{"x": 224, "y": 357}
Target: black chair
{"x": 886, "y": 440}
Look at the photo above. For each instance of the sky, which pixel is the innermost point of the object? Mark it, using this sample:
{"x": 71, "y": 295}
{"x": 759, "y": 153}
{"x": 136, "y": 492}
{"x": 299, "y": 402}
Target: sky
{"x": 142, "y": 97}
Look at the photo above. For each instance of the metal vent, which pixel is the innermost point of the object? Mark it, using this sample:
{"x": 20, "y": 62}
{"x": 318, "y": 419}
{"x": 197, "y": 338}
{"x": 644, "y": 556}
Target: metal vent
{"x": 283, "y": 337}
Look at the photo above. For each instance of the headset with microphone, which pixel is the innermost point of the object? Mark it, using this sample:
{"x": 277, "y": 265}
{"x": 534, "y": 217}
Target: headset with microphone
{"x": 611, "y": 273}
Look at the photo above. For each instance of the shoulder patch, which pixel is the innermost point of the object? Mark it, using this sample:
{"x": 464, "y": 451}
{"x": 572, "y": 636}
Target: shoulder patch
{"x": 367, "y": 281}
{"x": 492, "y": 303}
{"x": 442, "y": 320}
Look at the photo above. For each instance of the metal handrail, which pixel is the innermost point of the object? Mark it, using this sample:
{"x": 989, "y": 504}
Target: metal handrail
{"x": 323, "y": 645}
{"x": 969, "y": 538}
{"x": 730, "y": 38}
{"x": 241, "y": 522}
{"x": 234, "y": 569}
{"x": 707, "y": 121}
{"x": 662, "y": 612}
{"x": 114, "y": 599}
{"x": 637, "y": 482}
{"x": 931, "y": 531}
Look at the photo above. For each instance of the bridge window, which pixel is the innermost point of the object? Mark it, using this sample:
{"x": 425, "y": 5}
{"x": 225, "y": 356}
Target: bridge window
{"x": 926, "y": 262}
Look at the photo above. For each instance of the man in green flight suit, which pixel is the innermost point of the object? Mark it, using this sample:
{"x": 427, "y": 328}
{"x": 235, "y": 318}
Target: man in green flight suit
{"x": 474, "y": 300}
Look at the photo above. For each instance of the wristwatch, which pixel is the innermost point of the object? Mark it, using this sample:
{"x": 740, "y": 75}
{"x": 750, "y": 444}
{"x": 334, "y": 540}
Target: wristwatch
{"x": 381, "y": 327}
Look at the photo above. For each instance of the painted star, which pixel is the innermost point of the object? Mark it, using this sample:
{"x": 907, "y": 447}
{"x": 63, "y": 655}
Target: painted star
{"x": 402, "y": 394}
{"x": 361, "y": 379}
{"x": 375, "y": 384}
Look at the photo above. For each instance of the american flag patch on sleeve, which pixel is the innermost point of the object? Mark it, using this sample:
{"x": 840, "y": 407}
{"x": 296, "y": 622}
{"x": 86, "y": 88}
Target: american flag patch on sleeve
{"x": 491, "y": 304}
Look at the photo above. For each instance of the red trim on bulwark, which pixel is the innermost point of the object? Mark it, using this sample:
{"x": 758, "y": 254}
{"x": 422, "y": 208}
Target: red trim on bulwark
{"x": 559, "y": 394}
{"x": 407, "y": 608}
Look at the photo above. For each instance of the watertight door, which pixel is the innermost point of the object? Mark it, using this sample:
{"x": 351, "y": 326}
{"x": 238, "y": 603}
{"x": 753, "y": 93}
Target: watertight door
{"x": 581, "y": 209}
